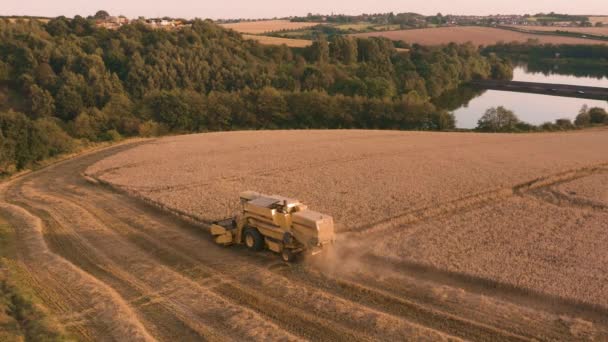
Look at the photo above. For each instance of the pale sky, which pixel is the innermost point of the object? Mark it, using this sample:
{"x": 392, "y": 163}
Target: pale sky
{"x": 280, "y": 8}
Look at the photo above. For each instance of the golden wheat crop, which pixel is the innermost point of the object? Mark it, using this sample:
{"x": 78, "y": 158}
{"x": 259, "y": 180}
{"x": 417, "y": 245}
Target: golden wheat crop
{"x": 265, "y": 26}
{"x": 267, "y": 40}
{"x": 359, "y": 177}
{"x": 474, "y": 34}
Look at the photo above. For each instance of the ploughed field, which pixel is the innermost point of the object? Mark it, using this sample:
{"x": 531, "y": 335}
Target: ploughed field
{"x": 441, "y": 236}
{"x": 474, "y": 34}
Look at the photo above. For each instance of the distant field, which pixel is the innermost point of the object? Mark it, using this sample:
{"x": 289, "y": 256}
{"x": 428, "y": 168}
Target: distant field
{"x": 589, "y": 30}
{"x": 266, "y": 40}
{"x": 14, "y": 20}
{"x": 355, "y": 26}
{"x": 599, "y": 19}
{"x": 474, "y": 34}
{"x": 264, "y": 26}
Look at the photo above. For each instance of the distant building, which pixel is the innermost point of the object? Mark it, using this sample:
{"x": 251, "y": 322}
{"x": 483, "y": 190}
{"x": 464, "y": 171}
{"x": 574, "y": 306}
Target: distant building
{"x": 164, "y": 23}
{"x": 113, "y": 22}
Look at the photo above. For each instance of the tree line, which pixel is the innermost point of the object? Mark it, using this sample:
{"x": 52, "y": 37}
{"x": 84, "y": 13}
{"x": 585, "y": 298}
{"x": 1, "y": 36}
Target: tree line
{"x": 501, "y": 119}
{"x": 66, "y": 82}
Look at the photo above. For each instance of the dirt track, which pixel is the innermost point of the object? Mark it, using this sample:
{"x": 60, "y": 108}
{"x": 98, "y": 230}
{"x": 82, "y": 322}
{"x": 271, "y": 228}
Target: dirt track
{"x": 115, "y": 268}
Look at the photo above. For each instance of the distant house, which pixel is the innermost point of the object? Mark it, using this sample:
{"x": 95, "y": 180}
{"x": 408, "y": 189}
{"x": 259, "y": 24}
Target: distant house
{"x": 112, "y": 22}
{"x": 164, "y": 23}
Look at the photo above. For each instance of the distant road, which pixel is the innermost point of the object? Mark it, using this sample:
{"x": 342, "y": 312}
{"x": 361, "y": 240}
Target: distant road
{"x": 584, "y": 92}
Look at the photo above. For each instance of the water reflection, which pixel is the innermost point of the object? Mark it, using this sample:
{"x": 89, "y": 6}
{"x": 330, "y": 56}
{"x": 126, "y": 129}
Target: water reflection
{"x": 469, "y": 104}
{"x": 525, "y": 74}
{"x": 579, "y": 68}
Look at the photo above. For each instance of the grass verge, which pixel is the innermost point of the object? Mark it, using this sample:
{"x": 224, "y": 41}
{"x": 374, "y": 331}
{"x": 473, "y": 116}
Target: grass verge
{"x": 22, "y": 315}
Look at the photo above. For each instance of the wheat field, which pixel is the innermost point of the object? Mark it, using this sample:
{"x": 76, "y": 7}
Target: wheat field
{"x": 482, "y": 205}
{"x": 473, "y": 34}
{"x": 267, "y": 40}
{"x": 266, "y": 26}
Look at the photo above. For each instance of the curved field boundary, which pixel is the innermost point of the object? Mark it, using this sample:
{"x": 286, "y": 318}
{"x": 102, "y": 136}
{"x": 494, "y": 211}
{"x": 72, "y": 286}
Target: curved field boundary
{"x": 191, "y": 218}
{"x": 107, "y": 304}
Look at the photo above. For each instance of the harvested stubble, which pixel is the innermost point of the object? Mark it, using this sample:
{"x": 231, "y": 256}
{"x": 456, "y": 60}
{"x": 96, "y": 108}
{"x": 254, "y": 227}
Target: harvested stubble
{"x": 473, "y": 34}
{"x": 524, "y": 242}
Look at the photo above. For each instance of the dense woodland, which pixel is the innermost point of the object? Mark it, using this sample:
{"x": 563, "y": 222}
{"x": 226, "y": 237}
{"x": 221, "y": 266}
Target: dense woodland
{"x": 68, "y": 82}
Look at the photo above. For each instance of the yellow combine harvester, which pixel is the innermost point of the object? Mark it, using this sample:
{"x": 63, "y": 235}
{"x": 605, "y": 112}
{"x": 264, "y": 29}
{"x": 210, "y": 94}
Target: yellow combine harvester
{"x": 281, "y": 224}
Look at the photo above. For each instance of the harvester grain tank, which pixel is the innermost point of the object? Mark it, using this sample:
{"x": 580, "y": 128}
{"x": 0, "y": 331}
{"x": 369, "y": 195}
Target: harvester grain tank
{"x": 280, "y": 224}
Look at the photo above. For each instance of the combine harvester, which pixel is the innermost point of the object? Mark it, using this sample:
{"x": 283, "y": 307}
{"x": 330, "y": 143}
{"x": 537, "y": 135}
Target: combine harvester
{"x": 280, "y": 224}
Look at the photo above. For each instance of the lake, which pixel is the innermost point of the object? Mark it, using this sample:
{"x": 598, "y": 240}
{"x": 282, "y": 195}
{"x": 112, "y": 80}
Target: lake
{"x": 531, "y": 108}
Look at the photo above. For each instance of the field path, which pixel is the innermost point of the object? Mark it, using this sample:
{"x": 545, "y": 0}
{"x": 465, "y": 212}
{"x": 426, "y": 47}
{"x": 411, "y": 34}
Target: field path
{"x": 115, "y": 268}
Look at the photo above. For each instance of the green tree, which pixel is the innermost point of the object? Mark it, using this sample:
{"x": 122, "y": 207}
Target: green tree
{"x": 53, "y": 140}
{"x": 379, "y": 87}
{"x": 271, "y": 108}
{"x": 17, "y": 129}
{"x": 583, "y": 118}
{"x": 7, "y": 152}
{"x": 120, "y": 114}
{"x": 68, "y": 103}
{"x": 42, "y": 102}
{"x": 84, "y": 127}
{"x": 178, "y": 109}
{"x": 320, "y": 49}
{"x": 343, "y": 49}
{"x": 498, "y": 119}
{"x": 101, "y": 15}
{"x": 5, "y": 71}
{"x": 45, "y": 76}
{"x": 598, "y": 115}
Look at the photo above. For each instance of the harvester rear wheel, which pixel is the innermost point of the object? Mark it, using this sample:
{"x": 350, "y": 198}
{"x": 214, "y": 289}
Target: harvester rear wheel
{"x": 253, "y": 239}
{"x": 287, "y": 255}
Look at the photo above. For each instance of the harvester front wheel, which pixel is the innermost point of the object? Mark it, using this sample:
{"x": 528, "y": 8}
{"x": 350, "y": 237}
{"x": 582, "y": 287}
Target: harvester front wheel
{"x": 253, "y": 239}
{"x": 287, "y": 255}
